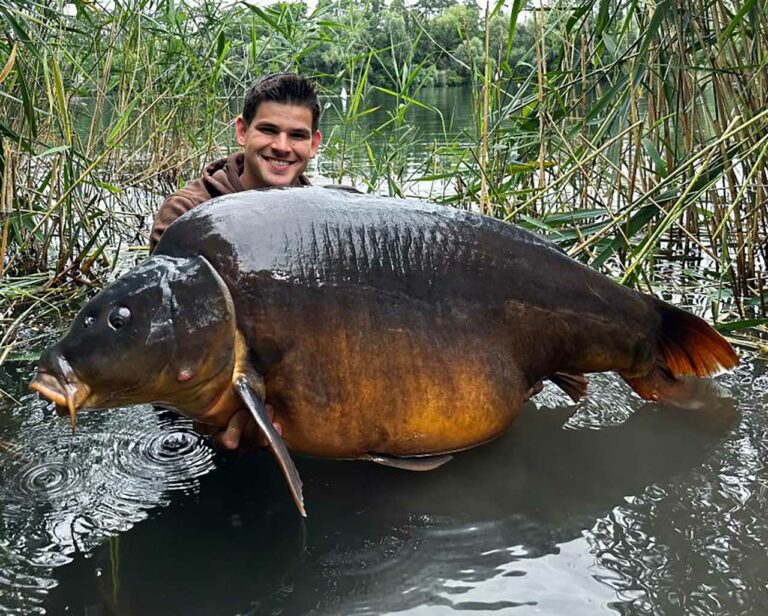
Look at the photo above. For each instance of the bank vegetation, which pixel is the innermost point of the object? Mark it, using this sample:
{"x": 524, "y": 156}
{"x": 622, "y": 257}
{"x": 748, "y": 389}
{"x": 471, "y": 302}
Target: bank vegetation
{"x": 632, "y": 133}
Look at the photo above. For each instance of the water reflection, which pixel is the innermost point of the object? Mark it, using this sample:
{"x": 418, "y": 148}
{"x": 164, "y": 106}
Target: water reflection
{"x": 697, "y": 545}
{"x": 545, "y": 519}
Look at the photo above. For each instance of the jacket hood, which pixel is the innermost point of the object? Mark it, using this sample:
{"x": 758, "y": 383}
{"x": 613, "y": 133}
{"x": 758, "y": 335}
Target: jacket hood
{"x": 222, "y": 177}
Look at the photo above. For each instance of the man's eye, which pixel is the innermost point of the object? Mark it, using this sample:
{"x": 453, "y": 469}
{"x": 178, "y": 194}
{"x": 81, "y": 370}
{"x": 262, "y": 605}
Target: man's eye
{"x": 299, "y": 136}
{"x": 268, "y": 130}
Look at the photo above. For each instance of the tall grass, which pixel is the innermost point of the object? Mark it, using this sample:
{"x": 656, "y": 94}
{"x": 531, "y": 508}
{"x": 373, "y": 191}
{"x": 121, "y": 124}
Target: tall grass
{"x": 104, "y": 112}
{"x": 639, "y": 130}
{"x": 628, "y": 132}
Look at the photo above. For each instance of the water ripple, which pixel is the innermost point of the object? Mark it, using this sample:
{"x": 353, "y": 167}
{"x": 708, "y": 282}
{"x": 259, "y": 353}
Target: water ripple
{"x": 47, "y": 480}
{"x": 176, "y": 454}
{"x": 65, "y": 493}
{"x": 437, "y": 563}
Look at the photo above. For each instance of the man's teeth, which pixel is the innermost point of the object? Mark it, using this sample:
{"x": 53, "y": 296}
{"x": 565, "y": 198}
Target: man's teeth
{"x": 278, "y": 161}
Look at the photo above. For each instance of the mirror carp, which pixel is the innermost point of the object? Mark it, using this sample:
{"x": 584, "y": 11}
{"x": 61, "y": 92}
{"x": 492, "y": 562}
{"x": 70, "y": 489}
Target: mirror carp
{"x": 390, "y": 330}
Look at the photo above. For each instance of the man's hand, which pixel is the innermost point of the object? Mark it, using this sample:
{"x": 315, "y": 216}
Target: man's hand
{"x": 241, "y": 434}
{"x": 536, "y": 389}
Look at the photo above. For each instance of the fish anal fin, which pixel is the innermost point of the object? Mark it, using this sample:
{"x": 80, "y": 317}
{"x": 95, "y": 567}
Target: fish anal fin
{"x": 415, "y": 463}
{"x": 572, "y": 383}
{"x": 247, "y": 390}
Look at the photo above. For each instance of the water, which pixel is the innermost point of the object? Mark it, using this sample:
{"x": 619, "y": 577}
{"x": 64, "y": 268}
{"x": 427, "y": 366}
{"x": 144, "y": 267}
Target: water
{"x": 411, "y": 151}
{"x": 611, "y": 506}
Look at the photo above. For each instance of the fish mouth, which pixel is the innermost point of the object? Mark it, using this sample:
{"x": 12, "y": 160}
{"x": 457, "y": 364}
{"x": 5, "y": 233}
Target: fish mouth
{"x": 67, "y": 393}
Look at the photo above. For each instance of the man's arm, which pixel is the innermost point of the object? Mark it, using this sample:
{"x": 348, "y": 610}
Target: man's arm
{"x": 174, "y": 206}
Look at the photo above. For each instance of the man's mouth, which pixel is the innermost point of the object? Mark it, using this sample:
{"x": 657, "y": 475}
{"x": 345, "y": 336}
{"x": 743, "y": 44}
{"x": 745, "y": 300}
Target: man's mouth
{"x": 279, "y": 163}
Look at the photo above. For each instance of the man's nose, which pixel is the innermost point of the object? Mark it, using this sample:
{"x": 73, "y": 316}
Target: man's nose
{"x": 281, "y": 142}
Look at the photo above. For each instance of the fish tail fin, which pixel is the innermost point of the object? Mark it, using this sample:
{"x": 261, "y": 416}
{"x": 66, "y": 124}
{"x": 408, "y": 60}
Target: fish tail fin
{"x": 572, "y": 383}
{"x": 686, "y": 346}
{"x": 690, "y": 346}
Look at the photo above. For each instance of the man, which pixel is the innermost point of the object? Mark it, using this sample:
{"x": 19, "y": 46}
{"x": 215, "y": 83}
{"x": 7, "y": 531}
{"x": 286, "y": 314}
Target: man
{"x": 278, "y": 133}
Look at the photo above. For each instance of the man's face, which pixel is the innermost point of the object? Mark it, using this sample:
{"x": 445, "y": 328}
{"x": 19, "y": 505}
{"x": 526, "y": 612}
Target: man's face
{"x": 278, "y": 144}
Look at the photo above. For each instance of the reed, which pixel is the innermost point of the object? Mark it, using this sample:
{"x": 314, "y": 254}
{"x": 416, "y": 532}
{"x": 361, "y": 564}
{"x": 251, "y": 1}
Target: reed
{"x": 632, "y": 133}
{"x": 642, "y": 138}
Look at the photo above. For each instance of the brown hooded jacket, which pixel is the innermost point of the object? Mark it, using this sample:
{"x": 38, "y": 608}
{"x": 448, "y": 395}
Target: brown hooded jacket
{"x": 221, "y": 177}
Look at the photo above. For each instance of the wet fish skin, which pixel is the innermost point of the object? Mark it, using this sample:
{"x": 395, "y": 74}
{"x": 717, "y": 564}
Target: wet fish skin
{"x": 381, "y": 326}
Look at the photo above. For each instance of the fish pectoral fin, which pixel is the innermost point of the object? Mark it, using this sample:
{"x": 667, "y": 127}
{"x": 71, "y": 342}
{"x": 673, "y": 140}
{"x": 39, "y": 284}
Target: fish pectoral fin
{"x": 415, "y": 463}
{"x": 259, "y": 412}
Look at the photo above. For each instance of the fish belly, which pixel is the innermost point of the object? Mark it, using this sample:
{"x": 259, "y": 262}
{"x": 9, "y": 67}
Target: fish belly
{"x": 352, "y": 373}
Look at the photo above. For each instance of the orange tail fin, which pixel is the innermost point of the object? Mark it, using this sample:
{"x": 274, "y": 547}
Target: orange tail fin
{"x": 687, "y": 345}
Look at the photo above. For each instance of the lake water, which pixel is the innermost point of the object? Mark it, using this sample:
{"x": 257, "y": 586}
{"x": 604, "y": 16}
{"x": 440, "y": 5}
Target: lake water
{"x": 610, "y": 506}
{"x": 411, "y": 150}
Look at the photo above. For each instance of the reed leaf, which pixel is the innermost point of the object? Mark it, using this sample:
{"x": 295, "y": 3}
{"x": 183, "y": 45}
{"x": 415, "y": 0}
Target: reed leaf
{"x": 8, "y": 65}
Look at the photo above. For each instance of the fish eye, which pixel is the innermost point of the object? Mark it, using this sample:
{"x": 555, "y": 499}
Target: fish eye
{"x": 88, "y": 321}
{"x": 119, "y": 317}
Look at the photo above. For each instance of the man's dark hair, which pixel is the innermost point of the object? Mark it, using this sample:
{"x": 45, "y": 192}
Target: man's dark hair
{"x": 287, "y": 88}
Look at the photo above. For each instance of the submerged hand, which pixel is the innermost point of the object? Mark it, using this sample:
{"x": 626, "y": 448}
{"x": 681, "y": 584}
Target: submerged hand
{"x": 242, "y": 433}
{"x": 536, "y": 389}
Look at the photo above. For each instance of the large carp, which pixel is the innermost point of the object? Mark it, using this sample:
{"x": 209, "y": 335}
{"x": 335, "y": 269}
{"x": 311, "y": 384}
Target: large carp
{"x": 377, "y": 328}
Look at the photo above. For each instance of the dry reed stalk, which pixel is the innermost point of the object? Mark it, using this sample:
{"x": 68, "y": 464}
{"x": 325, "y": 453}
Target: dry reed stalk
{"x": 540, "y": 70}
{"x": 6, "y": 201}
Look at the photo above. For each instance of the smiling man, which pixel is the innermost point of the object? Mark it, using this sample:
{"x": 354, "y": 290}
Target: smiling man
{"x": 278, "y": 133}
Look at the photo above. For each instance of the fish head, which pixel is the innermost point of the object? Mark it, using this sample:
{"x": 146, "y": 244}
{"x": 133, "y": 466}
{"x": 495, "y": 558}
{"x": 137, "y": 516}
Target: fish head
{"x": 163, "y": 333}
